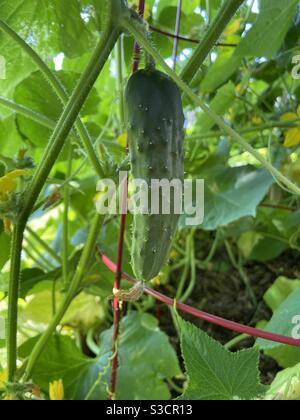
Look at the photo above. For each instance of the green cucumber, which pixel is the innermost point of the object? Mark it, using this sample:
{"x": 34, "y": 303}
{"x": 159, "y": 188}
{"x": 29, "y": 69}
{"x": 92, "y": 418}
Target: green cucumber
{"x": 155, "y": 137}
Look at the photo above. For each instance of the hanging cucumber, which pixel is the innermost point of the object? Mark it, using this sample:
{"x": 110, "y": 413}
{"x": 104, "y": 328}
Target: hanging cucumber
{"x": 155, "y": 136}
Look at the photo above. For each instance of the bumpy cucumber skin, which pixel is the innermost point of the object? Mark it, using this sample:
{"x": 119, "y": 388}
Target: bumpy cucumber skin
{"x": 155, "y": 137}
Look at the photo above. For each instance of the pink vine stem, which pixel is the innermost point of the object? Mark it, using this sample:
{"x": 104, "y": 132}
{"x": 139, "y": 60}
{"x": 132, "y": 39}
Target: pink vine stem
{"x": 212, "y": 319}
{"x": 118, "y": 267}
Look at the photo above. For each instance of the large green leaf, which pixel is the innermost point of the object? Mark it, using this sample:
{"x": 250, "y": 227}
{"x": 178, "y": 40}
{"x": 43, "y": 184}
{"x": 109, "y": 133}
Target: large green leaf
{"x": 10, "y": 138}
{"x": 283, "y": 298}
{"x": 63, "y": 360}
{"x": 282, "y": 321}
{"x": 146, "y": 359}
{"x": 213, "y": 372}
{"x": 220, "y": 71}
{"x": 85, "y": 311}
{"x": 263, "y": 40}
{"x": 145, "y": 355}
{"x": 50, "y": 27}
{"x": 280, "y": 291}
{"x": 230, "y": 193}
{"x": 220, "y": 105}
{"x": 36, "y": 94}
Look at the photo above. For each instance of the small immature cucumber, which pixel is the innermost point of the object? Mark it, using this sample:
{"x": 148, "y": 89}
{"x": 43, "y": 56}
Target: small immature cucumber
{"x": 155, "y": 137}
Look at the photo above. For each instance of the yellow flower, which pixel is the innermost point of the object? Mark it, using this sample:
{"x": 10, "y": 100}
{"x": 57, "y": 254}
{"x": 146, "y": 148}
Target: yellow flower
{"x": 256, "y": 120}
{"x": 234, "y": 27}
{"x": 156, "y": 281}
{"x": 122, "y": 140}
{"x": 56, "y": 390}
{"x": 135, "y": 4}
{"x": 292, "y": 135}
{"x": 8, "y": 183}
{"x": 174, "y": 254}
{"x": 3, "y": 379}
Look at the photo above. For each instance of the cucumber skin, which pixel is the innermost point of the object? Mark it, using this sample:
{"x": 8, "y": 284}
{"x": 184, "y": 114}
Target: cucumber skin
{"x": 155, "y": 137}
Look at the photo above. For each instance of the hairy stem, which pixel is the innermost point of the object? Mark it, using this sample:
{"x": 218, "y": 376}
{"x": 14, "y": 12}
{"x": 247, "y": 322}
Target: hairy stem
{"x": 51, "y": 153}
{"x": 13, "y": 295}
{"x": 120, "y": 60}
{"x": 214, "y": 32}
{"x": 268, "y": 126}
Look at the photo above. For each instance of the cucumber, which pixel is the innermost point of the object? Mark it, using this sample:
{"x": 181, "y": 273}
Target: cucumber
{"x": 155, "y": 137}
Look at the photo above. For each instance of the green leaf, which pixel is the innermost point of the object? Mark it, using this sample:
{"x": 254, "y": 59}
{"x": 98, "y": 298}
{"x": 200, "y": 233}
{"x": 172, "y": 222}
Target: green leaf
{"x": 145, "y": 355}
{"x": 10, "y": 138}
{"x": 282, "y": 321}
{"x": 31, "y": 277}
{"x": 35, "y": 93}
{"x": 4, "y": 246}
{"x": 268, "y": 249}
{"x": 51, "y": 26}
{"x": 230, "y": 193}
{"x": 220, "y": 71}
{"x": 84, "y": 312}
{"x": 267, "y": 34}
{"x": 146, "y": 359}
{"x": 286, "y": 385}
{"x": 280, "y": 291}
{"x": 63, "y": 360}
{"x": 283, "y": 299}
{"x": 220, "y": 105}
{"x": 213, "y": 372}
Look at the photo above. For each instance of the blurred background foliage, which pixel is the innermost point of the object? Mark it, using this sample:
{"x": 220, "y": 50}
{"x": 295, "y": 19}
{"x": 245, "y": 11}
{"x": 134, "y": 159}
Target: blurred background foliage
{"x": 240, "y": 264}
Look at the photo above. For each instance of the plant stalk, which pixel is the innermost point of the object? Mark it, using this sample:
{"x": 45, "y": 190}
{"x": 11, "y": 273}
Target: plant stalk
{"x": 213, "y": 34}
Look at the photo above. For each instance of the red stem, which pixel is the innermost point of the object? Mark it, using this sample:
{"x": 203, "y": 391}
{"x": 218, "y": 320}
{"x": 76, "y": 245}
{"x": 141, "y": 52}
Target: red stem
{"x": 185, "y": 39}
{"x": 137, "y": 49}
{"x": 212, "y": 319}
{"x": 118, "y": 267}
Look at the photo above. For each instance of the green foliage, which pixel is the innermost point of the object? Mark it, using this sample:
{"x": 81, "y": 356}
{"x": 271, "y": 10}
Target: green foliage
{"x": 142, "y": 368}
{"x": 248, "y": 82}
{"x": 286, "y": 385}
{"x": 155, "y": 137}
{"x": 283, "y": 299}
{"x": 213, "y": 372}
{"x": 4, "y": 246}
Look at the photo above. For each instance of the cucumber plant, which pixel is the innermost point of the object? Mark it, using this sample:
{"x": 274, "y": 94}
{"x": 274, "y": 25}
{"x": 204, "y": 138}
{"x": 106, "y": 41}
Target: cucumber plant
{"x": 155, "y": 136}
{"x": 156, "y": 144}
